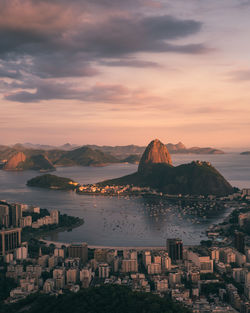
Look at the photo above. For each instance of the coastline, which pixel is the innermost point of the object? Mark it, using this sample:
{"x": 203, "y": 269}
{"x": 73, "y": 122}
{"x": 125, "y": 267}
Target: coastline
{"x": 40, "y": 233}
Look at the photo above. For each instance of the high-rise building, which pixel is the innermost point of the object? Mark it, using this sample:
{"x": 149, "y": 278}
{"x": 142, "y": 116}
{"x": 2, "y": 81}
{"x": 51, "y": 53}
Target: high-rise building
{"x": 103, "y": 270}
{"x": 59, "y": 253}
{"x": 4, "y": 215}
{"x": 175, "y": 249}
{"x": 166, "y": 262}
{"x": 72, "y": 276}
{"x": 146, "y": 258}
{"x": 79, "y": 251}
{"x": 54, "y": 214}
{"x": 25, "y": 221}
{"x": 10, "y": 239}
{"x": 239, "y": 241}
{"x": 154, "y": 268}
{"x": 129, "y": 266}
{"x": 16, "y": 214}
{"x": 21, "y": 253}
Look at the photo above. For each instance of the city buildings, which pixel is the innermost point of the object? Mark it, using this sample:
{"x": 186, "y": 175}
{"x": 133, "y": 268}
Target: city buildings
{"x": 239, "y": 241}
{"x": 175, "y": 249}
{"x": 79, "y": 251}
{"x": 10, "y": 239}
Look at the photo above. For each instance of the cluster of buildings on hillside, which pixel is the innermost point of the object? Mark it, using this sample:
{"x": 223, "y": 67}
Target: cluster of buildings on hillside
{"x": 22, "y": 215}
{"x": 118, "y": 190}
{"x": 130, "y": 190}
{"x": 185, "y": 273}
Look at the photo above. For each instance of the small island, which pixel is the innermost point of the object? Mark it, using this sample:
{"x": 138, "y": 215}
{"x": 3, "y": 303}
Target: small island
{"x": 52, "y": 182}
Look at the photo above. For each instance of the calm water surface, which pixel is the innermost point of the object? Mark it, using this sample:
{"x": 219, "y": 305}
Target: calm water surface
{"x": 124, "y": 221}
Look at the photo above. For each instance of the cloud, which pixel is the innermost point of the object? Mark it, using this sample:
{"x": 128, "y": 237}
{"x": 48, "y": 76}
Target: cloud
{"x": 44, "y": 40}
{"x": 103, "y": 93}
{"x": 119, "y": 36}
{"x": 39, "y": 28}
{"x": 7, "y": 72}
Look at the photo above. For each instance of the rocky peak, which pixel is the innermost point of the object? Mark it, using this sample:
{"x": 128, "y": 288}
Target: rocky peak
{"x": 155, "y": 153}
{"x": 13, "y": 162}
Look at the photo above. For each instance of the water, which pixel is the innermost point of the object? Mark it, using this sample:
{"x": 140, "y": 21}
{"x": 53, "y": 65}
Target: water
{"x": 124, "y": 221}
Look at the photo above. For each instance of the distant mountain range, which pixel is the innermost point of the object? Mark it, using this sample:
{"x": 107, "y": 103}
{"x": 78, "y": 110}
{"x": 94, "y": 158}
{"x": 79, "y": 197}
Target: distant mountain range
{"x": 155, "y": 170}
{"x": 21, "y": 158}
{"x": 124, "y": 151}
{"x": 45, "y": 157}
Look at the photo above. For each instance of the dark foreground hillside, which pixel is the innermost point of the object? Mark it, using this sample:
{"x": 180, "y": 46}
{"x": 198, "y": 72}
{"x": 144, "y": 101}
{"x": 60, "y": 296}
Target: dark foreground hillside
{"x": 105, "y": 299}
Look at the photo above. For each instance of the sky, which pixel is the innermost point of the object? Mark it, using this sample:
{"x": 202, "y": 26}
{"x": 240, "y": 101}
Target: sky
{"x": 115, "y": 72}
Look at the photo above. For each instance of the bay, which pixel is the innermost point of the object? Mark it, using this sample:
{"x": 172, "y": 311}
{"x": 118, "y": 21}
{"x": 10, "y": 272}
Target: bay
{"x": 124, "y": 221}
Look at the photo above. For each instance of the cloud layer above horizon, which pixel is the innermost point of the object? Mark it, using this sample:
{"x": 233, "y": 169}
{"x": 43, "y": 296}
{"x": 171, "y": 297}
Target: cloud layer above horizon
{"x": 176, "y": 69}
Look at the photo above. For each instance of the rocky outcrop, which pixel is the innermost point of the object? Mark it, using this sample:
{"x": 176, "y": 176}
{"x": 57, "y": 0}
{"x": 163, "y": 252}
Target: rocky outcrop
{"x": 155, "y": 153}
{"x": 156, "y": 171}
{"x": 14, "y": 161}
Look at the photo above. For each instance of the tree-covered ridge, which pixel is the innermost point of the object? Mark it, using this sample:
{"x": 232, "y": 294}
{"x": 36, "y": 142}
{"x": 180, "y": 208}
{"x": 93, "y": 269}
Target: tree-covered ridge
{"x": 104, "y": 299}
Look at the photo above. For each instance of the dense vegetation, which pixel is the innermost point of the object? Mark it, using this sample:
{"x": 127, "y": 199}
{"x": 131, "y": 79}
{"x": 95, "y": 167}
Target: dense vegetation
{"x": 51, "y": 181}
{"x": 196, "y": 178}
{"x": 6, "y": 285}
{"x": 105, "y": 299}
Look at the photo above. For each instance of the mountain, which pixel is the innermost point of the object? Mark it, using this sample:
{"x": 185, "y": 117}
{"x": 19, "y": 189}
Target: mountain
{"x": 85, "y": 156}
{"x": 181, "y": 148}
{"x": 51, "y": 181}
{"x": 156, "y": 171}
{"x": 21, "y": 158}
{"x": 178, "y": 147}
{"x": 15, "y": 161}
{"x": 132, "y": 158}
{"x": 155, "y": 153}
{"x": 33, "y": 146}
{"x": 20, "y": 161}
{"x": 122, "y": 152}
{"x": 119, "y": 152}
{"x": 37, "y": 162}
{"x": 245, "y": 153}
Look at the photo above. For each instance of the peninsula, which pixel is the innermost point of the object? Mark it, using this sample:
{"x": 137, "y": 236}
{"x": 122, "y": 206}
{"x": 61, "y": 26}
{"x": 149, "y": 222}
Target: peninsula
{"x": 156, "y": 171}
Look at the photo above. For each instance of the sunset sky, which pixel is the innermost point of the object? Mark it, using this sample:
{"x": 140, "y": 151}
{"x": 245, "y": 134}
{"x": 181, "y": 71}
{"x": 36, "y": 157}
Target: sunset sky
{"x": 116, "y": 72}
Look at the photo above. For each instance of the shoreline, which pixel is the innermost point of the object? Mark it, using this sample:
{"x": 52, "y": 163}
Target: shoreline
{"x": 39, "y": 234}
